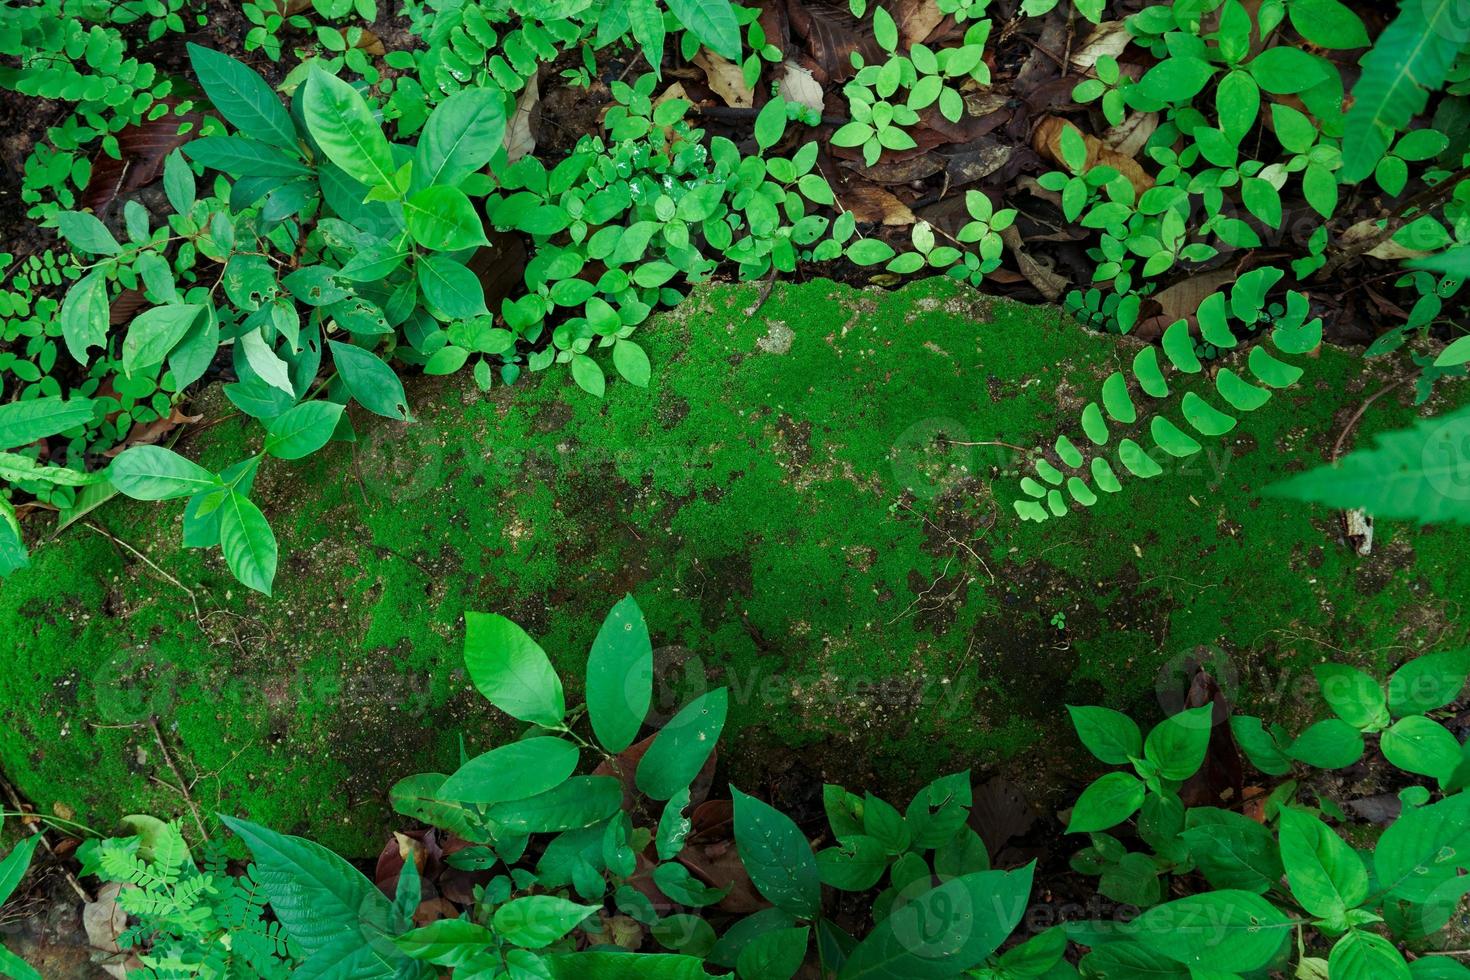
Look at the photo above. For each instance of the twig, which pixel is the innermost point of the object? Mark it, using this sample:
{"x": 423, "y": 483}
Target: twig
{"x": 1356, "y": 417}
{"x": 763, "y": 295}
{"x": 1424, "y": 202}
{"x": 193, "y": 600}
{"x": 183, "y": 788}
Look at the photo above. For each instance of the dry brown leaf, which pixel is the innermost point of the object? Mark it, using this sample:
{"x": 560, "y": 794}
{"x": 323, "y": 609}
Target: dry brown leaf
{"x": 1108, "y": 38}
{"x": 151, "y": 433}
{"x": 520, "y": 132}
{"x": 916, "y": 19}
{"x": 904, "y": 171}
{"x": 871, "y": 204}
{"x": 726, "y": 79}
{"x": 1130, "y": 135}
{"x": 798, "y": 85}
{"x": 1040, "y": 275}
{"x": 1047, "y": 140}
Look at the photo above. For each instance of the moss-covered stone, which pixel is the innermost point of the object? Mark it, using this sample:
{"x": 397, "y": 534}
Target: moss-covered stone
{"x": 806, "y": 504}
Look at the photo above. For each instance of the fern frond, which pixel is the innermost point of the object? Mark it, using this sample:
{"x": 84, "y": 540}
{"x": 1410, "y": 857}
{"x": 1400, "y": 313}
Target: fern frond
{"x": 118, "y": 861}
{"x": 170, "y": 851}
{"x": 1082, "y": 475}
{"x": 1411, "y": 58}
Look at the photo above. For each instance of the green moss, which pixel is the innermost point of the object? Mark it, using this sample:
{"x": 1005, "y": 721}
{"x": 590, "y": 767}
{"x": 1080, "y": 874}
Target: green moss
{"x": 795, "y": 505}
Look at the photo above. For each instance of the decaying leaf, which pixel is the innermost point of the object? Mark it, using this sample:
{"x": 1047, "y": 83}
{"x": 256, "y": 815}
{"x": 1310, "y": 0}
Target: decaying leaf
{"x": 1108, "y": 38}
{"x": 520, "y": 129}
{"x": 1040, "y": 275}
{"x": 871, "y": 204}
{"x": 1130, "y": 135}
{"x": 726, "y": 79}
{"x": 798, "y": 85}
{"x": 151, "y": 433}
{"x": 141, "y": 147}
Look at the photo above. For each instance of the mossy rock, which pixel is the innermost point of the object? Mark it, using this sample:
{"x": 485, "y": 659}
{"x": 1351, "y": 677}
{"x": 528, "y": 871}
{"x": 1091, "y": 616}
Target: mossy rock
{"x": 808, "y": 509}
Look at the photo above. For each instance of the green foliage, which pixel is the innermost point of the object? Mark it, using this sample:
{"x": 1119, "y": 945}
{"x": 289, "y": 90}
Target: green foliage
{"x": 1420, "y": 474}
{"x": 1292, "y": 868}
{"x": 12, "y": 869}
{"x": 189, "y": 918}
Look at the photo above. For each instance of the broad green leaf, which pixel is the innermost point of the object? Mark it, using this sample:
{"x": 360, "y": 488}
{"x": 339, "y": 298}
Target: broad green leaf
{"x": 608, "y": 965}
{"x": 1428, "y": 682}
{"x": 1284, "y": 70}
{"x": 770, "y": 123}
{"x": 449, "y": 287}
{"x": 418, "y": 797}
{"x": 1420, "y": 473}
{"x": 1328, "y": 24}
{"x": 944, "y": 931}
{"x": 1423, "y": 849}
{"x": 1229, "y": 931}
{"x": 302, "y": 430}
{"x": 1329, "y": 744}
{"x": 620, "y": 676}
{"x": 1354, "y": 696}
{"x": 83, "y": 231}
{"x": 1416, "y": 744}
{"x": 178, "y": 182}
{"x": 777, "y": 857}
{"x": 1233, "y": 851}
{"x": 855, "y": 864}
{"x": 155, "y": 473}
{"x": 537, "y": 921}
{"x": 1177, "y": 745}
{"x": 154, "y": 333}
{"x": 15, "y": 865}
{"x": 512, "y": 670}
{"x": 370, "y": 381}
{"x": 448, "y": 942}
{"x": 1176, "y": 79}
{"x": 713, "y": 22}
{"x": 1109, "y": 735}
{"x": 443, "y": 219}
{"x": 1326, "y": 876}
{"x": 512, "y": 772}
{"x": 242, "y": 97}
{"x": 1130, "y": 961}
{"x": 632, "y": 363}
{"x": 588, "y": 375}
{"x": 682, "y": 747}
{"x": 17, "y": 468}
{"x": 343, "y": 126}
{"x": 15, "y": 967}
{"x": 241, "y": 157}
{"x": 673, "y": 826}
{"x": 1360, "y": 955}
{"x": 320, "y": 899}
{"x": 84, "y": 316}
{"x": 461, "y": 135}
{"x": 23, "y": 422}
{"x": 266, "y": 363}
{"x": 675, "y": 881}
{"x": 774, "y": 955}
{"x": 248, "y": 544}
{"x": 1109, "y": 801}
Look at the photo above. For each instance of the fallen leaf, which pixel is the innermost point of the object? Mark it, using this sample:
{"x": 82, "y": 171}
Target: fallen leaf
{"x": 726, "y": 79}
{"x": 1108, "y": 38}
{"x": 871, "y": 204}
{"x": 1130, "y": 135}
{"x": 520, "y": 131}
{"x": 798, "y": 85}
{"x": 1046, "y": 139}
{"x": 831, "y": 34}
{"x": 151, "y": 433}
{"x": 103, "y": 921}
{"x": 916, "y": 19}
{"x": 1038, "y": 273}
{"x": 141, "y": 149}
{"x": 904, "y": 171}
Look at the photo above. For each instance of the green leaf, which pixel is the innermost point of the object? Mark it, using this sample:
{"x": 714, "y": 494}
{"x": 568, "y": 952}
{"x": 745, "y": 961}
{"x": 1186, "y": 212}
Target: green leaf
{"x": 320, "y": 899}
{"x": 15, "y": 865}
{"x": 343, "y": 126}
{"x": 241, "y": 157}
{"x": 1329, "y": 744}
{"x": 632, "y": 363}
{"x": 266, "y": 363}
{"x": 774, "y": 955}
{"x": 713, "y": 22}
{"x": 673, "y": 826}
{"x": 460, "y": 137}
{"x": 777, "y": 856}
{"x": 155, "y": 473}
{"x": 1428, "y": 682}
{"x": 1226, "y": 931}
{"x": 1423, "y": 849}
{"x": 23, "y": 422}
{"x": 869, "y": 251}
{"x": 1416, "y": 744}
{"x": 370, "y": 381}
{"x": 512, "y": 670}
{"x": 448, "y": 942}
{"x": 620, "y": 677}
{"x": 1109, "y": 735}
{"x": 1177, "y": 745}
{"x": 178, "y": 182}
{"x": 248, "y": 544}
{"x": 681, "y": 748}
{"x": 1421, "y": 473}
{"x": 443, "y": 219}
{"x": 1109, "y": 801}
{"x": 154, "y": 333}
{"x": 855, "y": 864}
{"x": 537, "y": 921}
{"x": 242, "y": 97}
{"x": 944, "y": 931}
{"x": 15, "y": 967}
{"x": 1326, "y": 876}
{"x": 1233, "y": 851}
{"x": 1354, "y": 696}
{"x": 1285, "y": 70}
{"x": 450, "y": 287}
{"x": 605, "y": 965}
{"x": 1176, "y": 79}
{"x": 83, "y": 231}
{"x": 1412, "y": 56}
{"x": 675, "y": 881}
{"x": 579, "y": 802}
{"x": 770, "y": 123}
{"x": 302, "y": 429}
{"x": 512, "y": 772}
{"x": 588, "y": 375}
{"x": 1362, "y": 955}
{"x": 84, "y": 315}
{"x": 1328, "y": 24}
